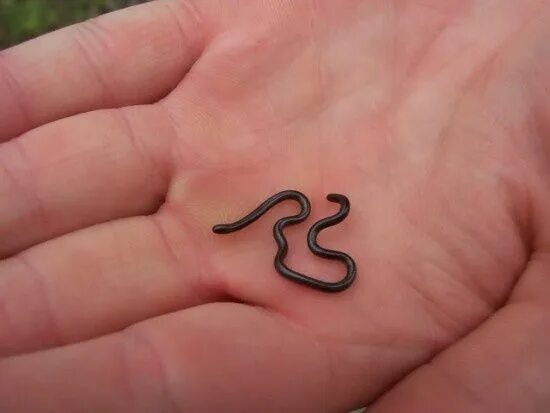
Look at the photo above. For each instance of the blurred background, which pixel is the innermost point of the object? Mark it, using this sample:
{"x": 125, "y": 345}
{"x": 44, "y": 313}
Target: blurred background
{"x": 21, "y": 20}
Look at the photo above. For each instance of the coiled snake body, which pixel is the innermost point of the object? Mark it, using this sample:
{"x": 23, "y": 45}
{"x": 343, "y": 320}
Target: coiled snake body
{"x": 311, "y": 237}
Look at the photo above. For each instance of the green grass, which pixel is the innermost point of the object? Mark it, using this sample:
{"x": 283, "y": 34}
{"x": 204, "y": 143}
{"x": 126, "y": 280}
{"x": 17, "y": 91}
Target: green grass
{"x": 23, "y": 19}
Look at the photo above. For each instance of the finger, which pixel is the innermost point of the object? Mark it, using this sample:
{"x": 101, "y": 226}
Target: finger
{"x": 129, "y": 57}
{"x": 504, "y": 366}
{"x": 97, "y": 281}
{"x": 184, "y": 362}
{"x": 80, "y": 171}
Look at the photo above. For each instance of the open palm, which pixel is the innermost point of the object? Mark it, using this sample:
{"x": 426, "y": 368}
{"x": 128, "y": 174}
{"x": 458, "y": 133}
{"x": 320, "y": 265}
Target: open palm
{"x": 126, "y": 138}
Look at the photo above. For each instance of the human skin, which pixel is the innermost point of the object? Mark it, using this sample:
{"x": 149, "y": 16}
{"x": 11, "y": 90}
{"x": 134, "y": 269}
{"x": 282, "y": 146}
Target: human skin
{"x": 126, "y": 138}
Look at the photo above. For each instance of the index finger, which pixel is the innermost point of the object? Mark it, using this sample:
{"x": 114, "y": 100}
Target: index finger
{"x": 129, "y": 57}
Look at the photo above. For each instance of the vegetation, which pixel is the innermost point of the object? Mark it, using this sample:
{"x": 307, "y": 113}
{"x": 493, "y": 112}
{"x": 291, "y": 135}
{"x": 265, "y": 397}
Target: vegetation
{"x": 23, "y": 19}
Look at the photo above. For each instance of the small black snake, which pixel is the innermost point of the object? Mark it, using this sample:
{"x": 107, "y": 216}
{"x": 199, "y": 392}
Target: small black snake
{"x": 311, "y": 237}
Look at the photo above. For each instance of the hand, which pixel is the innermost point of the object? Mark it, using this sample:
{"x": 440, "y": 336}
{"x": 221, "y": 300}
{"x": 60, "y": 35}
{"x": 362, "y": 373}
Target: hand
{"x": 128, "y": 137}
